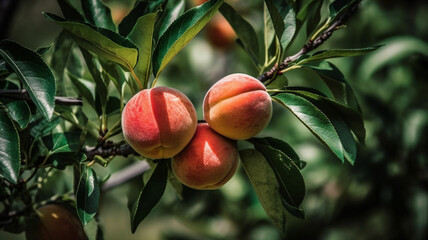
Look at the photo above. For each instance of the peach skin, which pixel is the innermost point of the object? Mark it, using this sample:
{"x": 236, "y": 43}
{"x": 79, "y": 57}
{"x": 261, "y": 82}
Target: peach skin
{"x": 159, "y": 122}
{"x": 238, "y": 106}
{"x": 208, "y": 162}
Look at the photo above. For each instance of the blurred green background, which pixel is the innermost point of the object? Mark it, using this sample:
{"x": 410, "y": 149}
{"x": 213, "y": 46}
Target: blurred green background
{"x": 384, "y": 196}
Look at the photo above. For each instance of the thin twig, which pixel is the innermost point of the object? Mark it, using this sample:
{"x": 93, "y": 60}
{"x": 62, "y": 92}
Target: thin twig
{"x": 108, "y": 149}
{"x": 311, "y": 44}
{"x": 22, "y": 94}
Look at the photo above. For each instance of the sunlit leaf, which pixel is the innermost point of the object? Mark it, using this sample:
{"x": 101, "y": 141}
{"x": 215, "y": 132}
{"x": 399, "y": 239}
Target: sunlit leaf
{"x": 101, "y": 41}
{"x": 181, "y": 32}
{"x": 314, "y": 119}
{"x": 62, "y": 142}
{"x": 266, "y": 185}
{"x": 142, "y": 36}
{"x": 283, "y": 19}
{"x": 336, "y": 53}
{"x": 10, "y": 159}
{"x": 173, "y": 9}
{"x": 35, "y": 75}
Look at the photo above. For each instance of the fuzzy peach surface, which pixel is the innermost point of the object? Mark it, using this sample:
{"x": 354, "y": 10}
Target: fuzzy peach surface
{"x": 159, "y": 122}
{"x": 238, "y": 106}
{"x": 208, "y": 162}
{"x": 55, "y": 222}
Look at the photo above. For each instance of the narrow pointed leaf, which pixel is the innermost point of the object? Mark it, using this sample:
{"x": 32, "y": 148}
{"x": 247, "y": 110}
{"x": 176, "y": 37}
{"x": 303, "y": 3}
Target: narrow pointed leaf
{"x": 9, "y": 148}
{"x": 266, "y": 185}
{"x": 140, "y": 9}
{"x": 103, "y": 42}
{"x": 283, "y": 19}
{"x": 314, "y": 119}
{"x": 173, "y": 9}
{"x": 142, "y": 36}
{"x": 286, "y": 149}
{"x": 292, "y": 187}
{"x": 59, "y": 60}
{"x": 243, "y": 30}
{"x": 69, "y": 11}
{"x": 87, "y": 195}
{"x": 150, "y": 195}
{"x": 336, "y": 53}
{"x": 35, "y": 75}
{"x": 338, "y": 7}
{"x": 180, "y": 32}
{"x": 62, "y": 142}
{"x": 83, "y": 90}
{"x": 98, "y": 14}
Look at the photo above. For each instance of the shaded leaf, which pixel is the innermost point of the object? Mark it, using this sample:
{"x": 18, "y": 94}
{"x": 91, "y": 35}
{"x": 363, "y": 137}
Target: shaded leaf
{"x": 338, "y": 7}
{"x": 10, "y": 159}
{"x": 140, "y": 9}
{"x": 181, "y": 32}
{"x": 98, "y": 14}
{"x": 62, "y": 51}
{"x": 62, "y": 142}
{"x": 103, "y": 42}
{"x": 142, "y": 36}
{"x": 243, "y": 30}
{"x": 87, "y": 195}
{"x": 291, "y": 184}
{"x": 35, "y": 75}
{"x": 266, "y": 185}
{"x": 335, "y": 53}
{"x": 69, "y": 11}
{"x": 150, "y": 195}
{"x": 18, "y": 110}
{"x": 283, "y": 19}
{"x": 286, "y": 149}
{"x": 82, "y": 90}
{"x": 42, "y": 127}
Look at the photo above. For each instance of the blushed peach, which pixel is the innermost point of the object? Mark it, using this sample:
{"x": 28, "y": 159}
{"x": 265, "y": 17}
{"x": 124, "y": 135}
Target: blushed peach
{"x": 55, "y": 222}
{"x": 159, "y": 122}
{"x": 238, "y": 106}
{"x": 208, "y": 161}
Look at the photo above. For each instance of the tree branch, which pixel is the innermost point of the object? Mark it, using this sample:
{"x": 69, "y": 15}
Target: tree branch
{"x": 311, "y": 44}
{"x": 109, "y": 149}
{"x": 23, "y": 95}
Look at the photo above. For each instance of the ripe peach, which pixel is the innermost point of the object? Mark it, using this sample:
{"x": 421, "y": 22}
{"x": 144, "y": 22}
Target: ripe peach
{"x": 238, "y": 106}
{"x": 219, "y": 33}
{"x": 208, "y": 161}
{"x": 55, "y": 222}
{"x": 159, "y": 122}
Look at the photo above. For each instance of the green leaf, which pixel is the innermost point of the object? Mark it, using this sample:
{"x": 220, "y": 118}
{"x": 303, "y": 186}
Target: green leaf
{"x": 98, "y": 14}
{"x": 336, "y": 53}
{"x": 337, "y": 7}
{"x": 351, "y": 116}
{"x": 62, "y": 51}
{"x": 173, "y": 9}
{"x": 140, "y": 9}
{"x": 35, "y": 75}
{"x": 395, "y": 49}
{"x": 313, "y": 16}
{"x": 181, "y": 32}
{"x": 87, "y": 195}
{"x": 10, "y": 159}
{"x": 82, "y": 90}
{"x": 142, "y": 36}
{"x": 286, "y": 149}
{"x": 291, "y": 184}
{"x": 103, "y": 42}
{"x": 266, "y": 185}
{"x": 42, "y": 127}
{"x": 149, "y": 195}
{"x": 283, "y": 19}
{"x": 62, "y": 142}
{"x": 18, "y": 110}
{"x": 69, "y": 11}
{"x": 243, "y": 30}
{"x": 314, "y": 119}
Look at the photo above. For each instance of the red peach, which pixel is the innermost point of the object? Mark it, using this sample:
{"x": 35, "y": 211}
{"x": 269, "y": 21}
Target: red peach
{"x": 208, "y": 161}
{"x": 55, "y": 222}
{"x": 159, "y": 122}
{"x": 238, "y": 106}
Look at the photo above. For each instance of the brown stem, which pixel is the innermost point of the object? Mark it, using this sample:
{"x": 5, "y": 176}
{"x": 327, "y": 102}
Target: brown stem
{"x": 108, "y": 149}
{"x": 311, "y": 44}
{"x": 23, "y": 95}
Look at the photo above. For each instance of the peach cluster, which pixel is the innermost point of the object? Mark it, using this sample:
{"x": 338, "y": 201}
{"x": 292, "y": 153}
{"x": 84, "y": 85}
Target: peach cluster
{"x": 161, "y": 123}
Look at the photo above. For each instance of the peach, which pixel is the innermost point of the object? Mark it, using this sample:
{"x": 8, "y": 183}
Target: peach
{"x": 159, "y": 122}
{"x": 55, "y": 222}
{"x": 208, "y": 161}
{"x": 238, "y": 106}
